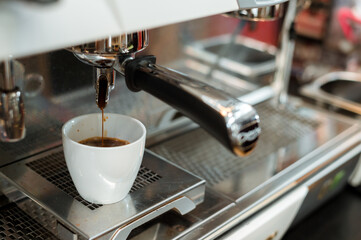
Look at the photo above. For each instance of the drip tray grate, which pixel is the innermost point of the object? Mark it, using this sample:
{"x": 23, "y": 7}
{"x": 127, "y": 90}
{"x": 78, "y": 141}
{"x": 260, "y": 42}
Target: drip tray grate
{"x": 159, "y": 187}
{"x": 203, "y": 155}
{"x": 53, "y": 168}
{"x": 16, "y": 224}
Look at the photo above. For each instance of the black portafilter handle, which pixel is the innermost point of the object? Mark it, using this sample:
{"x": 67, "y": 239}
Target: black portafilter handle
{"x": 233, "y": 123}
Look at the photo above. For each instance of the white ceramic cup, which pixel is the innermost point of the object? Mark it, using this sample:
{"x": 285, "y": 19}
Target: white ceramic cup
{"x": 103, "y": 175}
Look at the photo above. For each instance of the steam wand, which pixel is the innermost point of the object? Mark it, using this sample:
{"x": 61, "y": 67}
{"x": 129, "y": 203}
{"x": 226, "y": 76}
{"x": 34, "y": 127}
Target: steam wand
{"x": 233, "y": 123}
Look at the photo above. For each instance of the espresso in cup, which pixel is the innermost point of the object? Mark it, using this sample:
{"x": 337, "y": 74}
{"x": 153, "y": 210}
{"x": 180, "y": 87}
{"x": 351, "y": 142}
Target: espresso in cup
{"x": 104, "y": 142}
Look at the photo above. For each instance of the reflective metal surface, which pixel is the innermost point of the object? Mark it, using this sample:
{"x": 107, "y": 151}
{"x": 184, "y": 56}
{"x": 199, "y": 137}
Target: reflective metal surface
{"x": 285, "y": 55}
{"x": 234, "y": 124}
{"x": 174, "y": 188}
{"x": 29, "y": 228}
{"x": 103, "y": 53}
{"x": 39, "y": 214}
{"x": 242, "y": 55}
{"x": 42, "y": 133}
{"x": 268, "y": 13}
{"x": 296, "y": 143}
{"x": 308, "y": 140}
{"x": 341, "y": 89}
{"x": 7, "y": 75}
{"x": 12, "y": 114}
{"x": 297, "y": 136}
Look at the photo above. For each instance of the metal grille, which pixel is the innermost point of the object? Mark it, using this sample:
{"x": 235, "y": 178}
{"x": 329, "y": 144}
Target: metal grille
{"x": 203, "y": 155}
{"x": 16, "y": 224}
{"x": 145, "y": 177}
{"x": 53, "y": 168}
{"x": 39, "y": 214}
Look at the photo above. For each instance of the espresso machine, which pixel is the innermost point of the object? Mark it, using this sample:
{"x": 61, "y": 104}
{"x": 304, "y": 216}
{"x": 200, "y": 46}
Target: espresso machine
{"x": 230, "y": 155}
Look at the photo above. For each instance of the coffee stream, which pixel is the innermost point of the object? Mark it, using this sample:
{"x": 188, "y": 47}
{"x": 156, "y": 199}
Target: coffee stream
{"x": 103, "y": 141}
{"x": 103, "y": 85}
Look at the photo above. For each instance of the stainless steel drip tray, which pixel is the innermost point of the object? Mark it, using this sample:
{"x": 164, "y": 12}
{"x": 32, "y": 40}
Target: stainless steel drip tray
{"x": 287, "y": 137}
{"x": 296, "y": 142}
{"x": 159, "y": 187}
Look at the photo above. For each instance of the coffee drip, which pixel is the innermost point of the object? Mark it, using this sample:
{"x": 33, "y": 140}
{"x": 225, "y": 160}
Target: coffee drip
{"x": 103, "y": 141}
{"x": 103, "y": 84}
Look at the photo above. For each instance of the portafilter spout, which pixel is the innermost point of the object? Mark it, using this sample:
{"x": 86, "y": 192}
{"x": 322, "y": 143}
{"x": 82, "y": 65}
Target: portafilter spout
{"x": 103, "y": 54}
{"x": 233, "y": 123}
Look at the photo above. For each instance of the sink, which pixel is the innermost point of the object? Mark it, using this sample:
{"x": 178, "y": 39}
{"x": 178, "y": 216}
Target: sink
{"x": 346, "y": 89}
{"x": 340, "y": 89}
{"x": 245, "y": 56}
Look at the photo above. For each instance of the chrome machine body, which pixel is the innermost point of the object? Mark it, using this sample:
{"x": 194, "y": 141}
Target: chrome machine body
{"x": 191, "y": 184}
